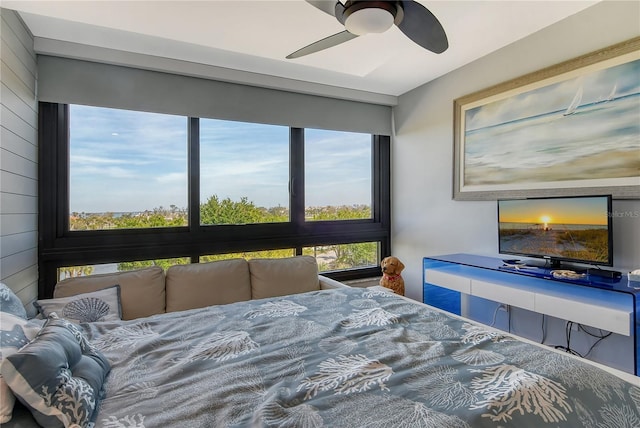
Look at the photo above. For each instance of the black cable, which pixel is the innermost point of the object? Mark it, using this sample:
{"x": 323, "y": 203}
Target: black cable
{"x": 566, "y": 335}
{"x": 601, "y": 337}
{"x": 567, "y": 332}
{"x": 568, "y": 329}
{"x": 596, "y": 342}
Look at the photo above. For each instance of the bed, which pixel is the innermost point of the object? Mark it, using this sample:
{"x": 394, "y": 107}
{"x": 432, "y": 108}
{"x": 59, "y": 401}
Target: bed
{"x": 351, "y": 357}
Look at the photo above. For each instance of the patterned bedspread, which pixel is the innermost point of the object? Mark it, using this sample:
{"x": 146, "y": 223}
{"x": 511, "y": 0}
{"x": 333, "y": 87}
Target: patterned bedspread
{"x": 344, "y": 358}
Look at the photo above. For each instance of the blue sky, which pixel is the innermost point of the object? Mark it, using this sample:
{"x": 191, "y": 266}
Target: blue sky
{"x": 131, "y": 161}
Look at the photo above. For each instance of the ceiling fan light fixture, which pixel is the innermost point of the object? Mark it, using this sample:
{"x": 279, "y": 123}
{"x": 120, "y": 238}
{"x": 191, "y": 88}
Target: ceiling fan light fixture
{"x": 370, "y": 19}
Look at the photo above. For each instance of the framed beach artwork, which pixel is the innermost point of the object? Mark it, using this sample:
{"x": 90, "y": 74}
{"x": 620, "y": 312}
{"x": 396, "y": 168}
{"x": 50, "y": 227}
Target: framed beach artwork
{"x": 570, "y": 129}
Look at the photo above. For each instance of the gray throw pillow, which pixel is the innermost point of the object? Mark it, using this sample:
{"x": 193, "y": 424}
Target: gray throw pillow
{"x": 101, "y": 305}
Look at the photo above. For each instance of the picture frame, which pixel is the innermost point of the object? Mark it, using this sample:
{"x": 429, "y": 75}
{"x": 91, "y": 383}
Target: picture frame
{"x": 569, "y": 129}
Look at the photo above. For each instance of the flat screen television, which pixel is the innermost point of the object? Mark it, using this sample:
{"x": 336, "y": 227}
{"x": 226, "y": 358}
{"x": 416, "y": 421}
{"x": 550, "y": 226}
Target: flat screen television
{"x": 574, "y": 229}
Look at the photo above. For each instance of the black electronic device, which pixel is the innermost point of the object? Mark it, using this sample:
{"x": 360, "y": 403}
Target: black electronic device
{"x": 604, "y": 273}
{"x": 573, "y": 229}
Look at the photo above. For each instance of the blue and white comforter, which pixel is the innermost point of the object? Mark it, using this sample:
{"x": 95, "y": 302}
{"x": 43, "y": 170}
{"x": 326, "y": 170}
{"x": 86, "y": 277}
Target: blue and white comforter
{"x": 344, "y": 358}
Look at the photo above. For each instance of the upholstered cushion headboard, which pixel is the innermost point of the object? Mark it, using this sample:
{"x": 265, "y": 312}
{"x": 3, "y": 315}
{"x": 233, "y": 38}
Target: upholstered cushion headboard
{"x": 204, "y": 284}
{"x": 279, "y": 277}
{"x": 142, "y": 291}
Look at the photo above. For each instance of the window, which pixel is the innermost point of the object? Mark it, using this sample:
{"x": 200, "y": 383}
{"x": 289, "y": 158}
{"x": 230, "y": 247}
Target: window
{"x": 337, "y": 175}
{"x": 345, "y": 256}
{"x": 127, "y": 169}
{"x": 244, "y": 173}
{"x": 190, "y": 190}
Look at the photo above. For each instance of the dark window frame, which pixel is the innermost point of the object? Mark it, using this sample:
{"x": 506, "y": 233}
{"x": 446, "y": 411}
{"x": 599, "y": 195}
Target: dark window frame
{"x": 59, "y": 247}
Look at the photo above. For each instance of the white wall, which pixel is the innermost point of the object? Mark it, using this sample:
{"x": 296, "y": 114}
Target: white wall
{"x": 426, "y": 221}
{"x": 18, "y": 160}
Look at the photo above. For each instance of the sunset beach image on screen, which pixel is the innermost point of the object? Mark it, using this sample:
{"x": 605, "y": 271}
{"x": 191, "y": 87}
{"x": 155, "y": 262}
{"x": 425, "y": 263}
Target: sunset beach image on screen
{"x": 570, "y": 228}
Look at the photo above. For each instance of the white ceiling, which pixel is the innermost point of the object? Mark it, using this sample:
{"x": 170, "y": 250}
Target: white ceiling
{"x": 247, "y": 41}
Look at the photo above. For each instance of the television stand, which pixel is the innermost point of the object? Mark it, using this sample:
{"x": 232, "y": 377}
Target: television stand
{"x": 558, "y": 265}
{"x": 599, "y": 302}
{"x": 552, "y": 264}
{"x": 548, "y": 264}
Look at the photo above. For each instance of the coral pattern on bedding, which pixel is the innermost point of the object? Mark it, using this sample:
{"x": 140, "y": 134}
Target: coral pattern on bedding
{"x": 344, "y": 358}
{"x": 58, "y": 376}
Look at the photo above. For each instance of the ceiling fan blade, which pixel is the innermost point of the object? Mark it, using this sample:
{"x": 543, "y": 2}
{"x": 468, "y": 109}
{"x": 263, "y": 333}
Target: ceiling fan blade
{"x": 325, "y": 43}
{"x": 421, "y": 26}
{"x": 327, "y": 6}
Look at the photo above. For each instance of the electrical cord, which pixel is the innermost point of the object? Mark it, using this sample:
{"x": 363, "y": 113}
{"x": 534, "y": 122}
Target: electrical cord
{"x": 567, "y": 333}
{"x": 569, "y": 328}
{"x": 507, "y": 309}
{"x": 495, "y": 314}
{"x": 600, "y": 337}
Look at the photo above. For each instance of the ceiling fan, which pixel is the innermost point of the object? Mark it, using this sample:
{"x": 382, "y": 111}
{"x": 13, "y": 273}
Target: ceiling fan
{"x": 363, "y": 17}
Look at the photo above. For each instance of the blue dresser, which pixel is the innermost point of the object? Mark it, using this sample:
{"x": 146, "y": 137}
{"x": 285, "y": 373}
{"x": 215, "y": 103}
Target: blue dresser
{"x": 602, "y": 303}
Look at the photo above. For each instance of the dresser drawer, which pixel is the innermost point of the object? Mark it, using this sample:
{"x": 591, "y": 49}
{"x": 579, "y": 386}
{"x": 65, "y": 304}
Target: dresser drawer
{"x": 447, "y": 280}
{"x": 594, "y": 315}
{"x": 503, "y": 293}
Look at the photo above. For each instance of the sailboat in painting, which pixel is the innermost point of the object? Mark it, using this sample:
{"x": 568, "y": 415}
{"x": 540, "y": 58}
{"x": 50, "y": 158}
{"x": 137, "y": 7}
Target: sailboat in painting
{"x": 577, "y": 99}
{"x": 612, "y": 94}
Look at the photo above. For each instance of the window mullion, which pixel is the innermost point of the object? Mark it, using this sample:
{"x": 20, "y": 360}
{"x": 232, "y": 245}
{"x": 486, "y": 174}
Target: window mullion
{"x": 193, "y": 173}
{"x": 62, "y": 167}
{"x": 296, "y": 177}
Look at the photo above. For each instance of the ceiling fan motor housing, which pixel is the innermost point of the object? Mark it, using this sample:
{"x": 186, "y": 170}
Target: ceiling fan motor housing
{"x": 364, "y": 17}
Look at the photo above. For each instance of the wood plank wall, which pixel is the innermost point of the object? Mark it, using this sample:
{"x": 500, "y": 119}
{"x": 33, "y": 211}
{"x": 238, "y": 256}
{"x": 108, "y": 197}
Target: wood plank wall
{"x": 18, "y": 159}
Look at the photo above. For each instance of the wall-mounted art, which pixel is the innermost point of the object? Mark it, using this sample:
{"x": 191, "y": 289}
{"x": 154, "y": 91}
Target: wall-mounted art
{"x": 570, "y": 129}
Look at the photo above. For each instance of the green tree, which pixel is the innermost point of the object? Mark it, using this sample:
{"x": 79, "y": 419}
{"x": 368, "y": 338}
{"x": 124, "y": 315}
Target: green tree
{"x": 278, "y": 214}
{"x": 147, "y": 219}
{"x": 264, "y": 254}
{"x": 343, "y": 212}
{"x": 344, "y": 256}
{"x": 163, "y": 263}
{"x": 91, "y": 221}
{"x": 226, "y": 211}
{"x": 218, "y": 212}
{"x": 355, "y": 255}
{"x": 74, "y": 271}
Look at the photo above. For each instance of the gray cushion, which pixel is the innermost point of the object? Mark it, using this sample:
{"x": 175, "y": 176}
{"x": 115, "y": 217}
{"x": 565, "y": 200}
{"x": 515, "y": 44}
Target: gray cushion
{"x": 59, "y": 375}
